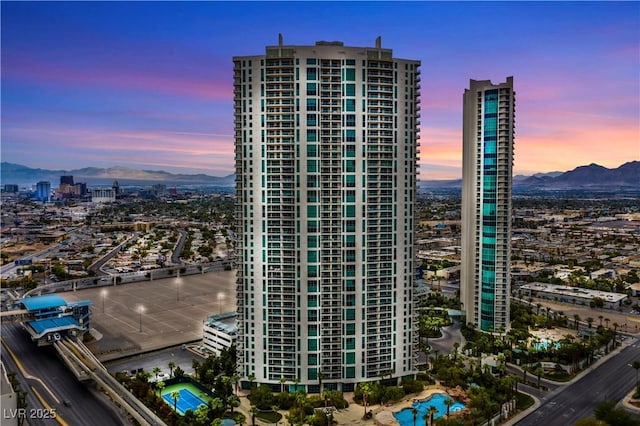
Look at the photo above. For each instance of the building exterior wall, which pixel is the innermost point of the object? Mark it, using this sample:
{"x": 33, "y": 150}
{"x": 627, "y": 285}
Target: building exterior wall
{"x": 488, "y": 133}
{"x": 219, "y": 332}
{"x": 326, "y": 146}
{"x": 43, "y": 191}
{"x": 103, "y": 195}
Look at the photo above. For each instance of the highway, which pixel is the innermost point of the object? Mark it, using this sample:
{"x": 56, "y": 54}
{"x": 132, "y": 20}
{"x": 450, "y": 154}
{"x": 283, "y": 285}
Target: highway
{"x": 611, "y": 380}
{"x": 49, "y": 384}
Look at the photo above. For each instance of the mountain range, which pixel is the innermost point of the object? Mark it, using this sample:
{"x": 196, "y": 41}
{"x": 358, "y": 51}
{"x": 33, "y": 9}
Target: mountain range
{"x": 590, "y": 177}
{"x": 23, "y": 175}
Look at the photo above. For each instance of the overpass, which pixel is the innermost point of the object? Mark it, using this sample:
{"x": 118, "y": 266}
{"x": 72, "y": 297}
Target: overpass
{"x": 85, "y": 366}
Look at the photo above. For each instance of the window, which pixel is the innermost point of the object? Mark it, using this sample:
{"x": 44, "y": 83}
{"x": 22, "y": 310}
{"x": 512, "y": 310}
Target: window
{"x": 311, "y": 120}
{"x": 311, "y": 74}
{"x": 350, "y": 135}
{"x": 350, "y": 74}
{"x": 312, "y": 89}
{"x": 312, "y": 104}
{"x": 350, "y": 89}
{"x": 350, "y": 105}
{"x": 312, "y": 136}
{"x": 350, "y": 120}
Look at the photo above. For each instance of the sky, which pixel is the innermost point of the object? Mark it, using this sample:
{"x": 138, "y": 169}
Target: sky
{"x": 148, "y": 85}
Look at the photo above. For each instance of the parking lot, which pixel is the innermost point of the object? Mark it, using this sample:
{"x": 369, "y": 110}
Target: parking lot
{"x": 148, "y": 315}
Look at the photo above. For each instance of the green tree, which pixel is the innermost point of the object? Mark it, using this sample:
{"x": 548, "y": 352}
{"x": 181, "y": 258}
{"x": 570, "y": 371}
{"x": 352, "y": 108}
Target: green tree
{"x": 159, "y": 386}
{"x": 175, "y": 395}
{"x": 171, "y": 366}
{"x": 156, "y": 371}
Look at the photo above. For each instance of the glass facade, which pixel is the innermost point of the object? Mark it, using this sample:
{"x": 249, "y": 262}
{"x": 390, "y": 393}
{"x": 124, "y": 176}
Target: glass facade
{"x": 489, "y": 112}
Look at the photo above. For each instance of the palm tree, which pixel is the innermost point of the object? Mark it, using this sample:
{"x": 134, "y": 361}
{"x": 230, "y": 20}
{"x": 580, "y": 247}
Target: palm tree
{"x": 589, "y": 321}
{"x": 156, "y": 371}
{"x": 576, "y": 317}
{"x": 456, "y": 345}
{"x": 320, "y": 377}
{"x": 196, "y": 366}
{"x": 600, "y": 318}
{"x": 171, "y": 365}
{"x": 235, "y": 379}
{"x": 282, "y": 382}
{"x": 414, "y": 411}
{"x": 160, "y": 385}
{"x": 175, "y": 395}
{"x": 432, "y": 412}
{"x": 448, "y": 403}
{"x": 366, "y": 393}
{"x": 253, "y": 412}
{"x": 252, "y": 378}
{"x": 233, "y": 402}
{"x": 538, "y": 372}
{"x": 295, "y": 384}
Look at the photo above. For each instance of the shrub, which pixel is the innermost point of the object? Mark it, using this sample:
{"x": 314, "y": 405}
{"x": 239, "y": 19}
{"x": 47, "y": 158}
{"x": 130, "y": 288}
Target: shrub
{"x": 412, "y": 386}
{"x": 392, "y": 394}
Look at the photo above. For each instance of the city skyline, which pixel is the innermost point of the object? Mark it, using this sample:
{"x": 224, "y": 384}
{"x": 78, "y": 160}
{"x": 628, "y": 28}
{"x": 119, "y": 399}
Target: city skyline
{"x": 149, "y": 85}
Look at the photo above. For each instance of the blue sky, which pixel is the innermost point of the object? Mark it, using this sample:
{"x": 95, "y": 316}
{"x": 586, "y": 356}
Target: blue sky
{"x": 148, "y": 84}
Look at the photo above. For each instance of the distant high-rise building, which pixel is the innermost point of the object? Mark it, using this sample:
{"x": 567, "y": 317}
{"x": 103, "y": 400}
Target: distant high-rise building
{"x": 43, "y": 191}
{"x": 326, "y": 146}
{"x": 488, "y": 132}
{"x": 103, "y": 195}
{"x": 66, "y": 180}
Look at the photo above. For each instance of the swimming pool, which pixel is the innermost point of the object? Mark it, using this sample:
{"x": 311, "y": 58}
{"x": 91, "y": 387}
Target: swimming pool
{"x": 405, "y": 417}
{"x": 545, "y": 344}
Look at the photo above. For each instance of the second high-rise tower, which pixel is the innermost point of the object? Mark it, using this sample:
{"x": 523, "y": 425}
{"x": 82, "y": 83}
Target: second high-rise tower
{"x": 488, "y": 133}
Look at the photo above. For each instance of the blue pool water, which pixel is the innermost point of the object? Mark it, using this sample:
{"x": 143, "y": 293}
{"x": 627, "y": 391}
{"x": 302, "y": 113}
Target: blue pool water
{"x": 405, "y": 417}
{"x": 545, "y": 344}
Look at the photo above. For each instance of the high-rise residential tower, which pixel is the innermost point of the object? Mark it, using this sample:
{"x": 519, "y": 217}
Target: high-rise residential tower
{"x": 488, "y": 131}
{"x": 325, "y": 147}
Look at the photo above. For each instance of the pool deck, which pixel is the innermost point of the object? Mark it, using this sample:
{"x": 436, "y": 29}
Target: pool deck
{"x": 383, "y": 415}
{"x": 353, "y": 414}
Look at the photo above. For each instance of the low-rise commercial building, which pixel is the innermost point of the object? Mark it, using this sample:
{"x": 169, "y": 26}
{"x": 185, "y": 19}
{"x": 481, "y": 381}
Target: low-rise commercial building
{"x": 219, "y": 331}
{"x": 572, "y": 295}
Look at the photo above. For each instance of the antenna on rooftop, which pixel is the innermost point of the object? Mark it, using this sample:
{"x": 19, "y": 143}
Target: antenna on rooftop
{"x": 378, "y": 42}
{"x": 280, "y": 39}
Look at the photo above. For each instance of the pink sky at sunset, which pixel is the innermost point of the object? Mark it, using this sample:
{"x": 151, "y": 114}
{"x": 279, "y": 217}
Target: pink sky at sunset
{"x": 98, "y": 85}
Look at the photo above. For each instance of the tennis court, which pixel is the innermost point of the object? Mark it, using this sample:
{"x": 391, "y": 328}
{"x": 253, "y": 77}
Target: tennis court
{"x": 189, "y": 397}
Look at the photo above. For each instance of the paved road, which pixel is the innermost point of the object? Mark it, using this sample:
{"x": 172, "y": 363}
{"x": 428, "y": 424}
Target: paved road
{"x": 611, "y": 380}
{"x": 54, "y": 383}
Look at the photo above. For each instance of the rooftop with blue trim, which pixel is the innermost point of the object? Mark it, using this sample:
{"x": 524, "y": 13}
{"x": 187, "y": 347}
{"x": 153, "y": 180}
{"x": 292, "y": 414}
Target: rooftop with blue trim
{"x": 37, "y": 303}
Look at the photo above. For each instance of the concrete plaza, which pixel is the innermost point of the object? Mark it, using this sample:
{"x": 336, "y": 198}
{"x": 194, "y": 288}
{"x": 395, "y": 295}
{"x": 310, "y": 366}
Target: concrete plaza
{"x": 148, "y": 315}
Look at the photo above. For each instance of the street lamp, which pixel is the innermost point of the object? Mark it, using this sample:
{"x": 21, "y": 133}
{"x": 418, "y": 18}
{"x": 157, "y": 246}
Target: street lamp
{"x": 220, "y": 297}
{"x": 140, "y": 311}
{"x": 103, "y": 293}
